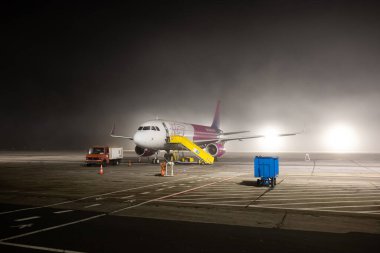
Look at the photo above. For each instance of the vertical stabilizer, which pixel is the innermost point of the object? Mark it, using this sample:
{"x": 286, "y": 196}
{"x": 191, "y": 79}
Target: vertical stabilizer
{"x": 216, "y": 121}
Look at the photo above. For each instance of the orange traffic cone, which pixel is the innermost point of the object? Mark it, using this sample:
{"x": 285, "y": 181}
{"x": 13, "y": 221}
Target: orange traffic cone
{"x": 101, "y": 169}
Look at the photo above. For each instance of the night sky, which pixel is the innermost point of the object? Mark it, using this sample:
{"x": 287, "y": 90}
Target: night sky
{"x": 69, "y": 70}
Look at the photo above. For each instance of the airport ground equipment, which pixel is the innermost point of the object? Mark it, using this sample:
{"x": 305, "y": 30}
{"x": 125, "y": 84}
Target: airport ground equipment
{"x": 204, "y": 156}
{"x": 266, "y": 168}
{"x": 188, "y": 159}
{"x": 104, "y": 155}
{"x": 171, "y": 165}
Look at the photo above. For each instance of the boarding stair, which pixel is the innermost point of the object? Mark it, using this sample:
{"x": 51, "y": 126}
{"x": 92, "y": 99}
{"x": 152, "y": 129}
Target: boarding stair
{"x": 204, "y": 156}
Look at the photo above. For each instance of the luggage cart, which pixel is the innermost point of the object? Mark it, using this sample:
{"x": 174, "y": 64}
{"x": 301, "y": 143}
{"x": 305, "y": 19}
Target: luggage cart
{"x": 266, "y": 168}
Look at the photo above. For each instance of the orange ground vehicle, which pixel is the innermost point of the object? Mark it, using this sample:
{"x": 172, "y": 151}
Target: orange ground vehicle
{"x": 104, "y": 155}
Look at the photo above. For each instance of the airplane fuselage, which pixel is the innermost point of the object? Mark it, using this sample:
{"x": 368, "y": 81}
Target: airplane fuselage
{"x": 152, "y": 135}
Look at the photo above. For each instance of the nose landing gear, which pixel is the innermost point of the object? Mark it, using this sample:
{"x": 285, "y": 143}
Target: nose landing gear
{"x": 155, "y": 159}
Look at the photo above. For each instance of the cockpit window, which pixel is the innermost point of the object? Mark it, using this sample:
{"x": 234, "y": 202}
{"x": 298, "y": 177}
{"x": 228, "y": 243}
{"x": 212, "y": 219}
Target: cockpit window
{"x": 157, "y": 128}
{"x": 154, "y": 128}
{"x": 146, "y": 128}
{"x": 140, "y": 128}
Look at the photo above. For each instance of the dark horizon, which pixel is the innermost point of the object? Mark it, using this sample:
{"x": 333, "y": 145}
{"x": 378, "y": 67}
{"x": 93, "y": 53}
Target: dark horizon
{"x": 69, "y": 70}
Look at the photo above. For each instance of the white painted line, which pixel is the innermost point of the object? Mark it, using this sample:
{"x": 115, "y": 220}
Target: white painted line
{"x": 321, "y": 202}
{"x": 28, "y": 218}
{"x": 323, "y": 192}
{"x": 264, "y": 199}
{"x": 92, "y": 205}
{"x": 308, "y": 209}
{"x": 216, "y": 198}
{"x": 201, "y": 203}
{"x": 170, "y": 195}
{"x": 221, "y": 194}
{"x": 143, "y": 193}
{"x": 373, "y": 211}
{"x": 93, "y": 196}
{"x": 159, "y": 189}
{"x": 272, "y": 195}
{"x": 171, "y": 187}
{"x": 63, "y": 211}
{"x": 51, "y": 228}
{"x": 127, "y": 197}
{"x": 38, "y": 247}
{"x": 347, "y": 207}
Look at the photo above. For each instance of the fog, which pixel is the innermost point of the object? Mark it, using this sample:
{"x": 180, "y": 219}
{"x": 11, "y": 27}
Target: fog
{"x": 70, "y": 71}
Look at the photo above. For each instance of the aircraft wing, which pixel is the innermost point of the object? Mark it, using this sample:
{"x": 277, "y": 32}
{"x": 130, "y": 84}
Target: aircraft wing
{"x": 238, "y": 132}
{"x": 255, "y": 136}
{"x": 112, "y": 134}
{"x": 119, "y": 136}
{"x": 240, "y": 138}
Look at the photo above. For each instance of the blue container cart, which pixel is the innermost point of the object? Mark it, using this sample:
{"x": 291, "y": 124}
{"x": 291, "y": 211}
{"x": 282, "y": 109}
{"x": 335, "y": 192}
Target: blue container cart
{"x": 266, "y": 168}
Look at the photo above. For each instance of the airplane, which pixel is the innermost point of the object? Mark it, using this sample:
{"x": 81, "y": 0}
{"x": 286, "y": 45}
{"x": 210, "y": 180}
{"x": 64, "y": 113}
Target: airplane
{"x": 151, "y": 136}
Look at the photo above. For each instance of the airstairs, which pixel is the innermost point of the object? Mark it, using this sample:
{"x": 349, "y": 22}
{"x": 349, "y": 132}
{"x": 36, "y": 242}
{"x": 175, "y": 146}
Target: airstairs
{"x": 192, "y": 147}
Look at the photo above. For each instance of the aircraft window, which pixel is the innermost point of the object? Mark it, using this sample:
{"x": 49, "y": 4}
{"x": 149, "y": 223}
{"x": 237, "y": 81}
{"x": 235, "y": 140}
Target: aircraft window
{"x": 140, "y": 128}
{"x": 157, "y": 128}
{"x": 154, "y": 128}
{"x": 146, "y": 128}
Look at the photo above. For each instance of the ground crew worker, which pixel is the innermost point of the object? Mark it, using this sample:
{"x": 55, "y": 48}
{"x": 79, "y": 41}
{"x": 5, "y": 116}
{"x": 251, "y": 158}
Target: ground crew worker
{"x": 163, "y": 168}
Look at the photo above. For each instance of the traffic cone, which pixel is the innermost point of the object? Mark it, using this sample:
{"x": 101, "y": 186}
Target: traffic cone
{"x": 101, "y": 169}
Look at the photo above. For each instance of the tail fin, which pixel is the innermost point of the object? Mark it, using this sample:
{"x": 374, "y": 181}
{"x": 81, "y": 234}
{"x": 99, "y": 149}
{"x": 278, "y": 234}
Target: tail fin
{"x": 216, "y": 122}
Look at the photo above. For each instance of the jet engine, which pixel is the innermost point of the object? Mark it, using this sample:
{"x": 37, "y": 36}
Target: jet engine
{"x": 144, "y": 151}
{"x": 216, "y": 149}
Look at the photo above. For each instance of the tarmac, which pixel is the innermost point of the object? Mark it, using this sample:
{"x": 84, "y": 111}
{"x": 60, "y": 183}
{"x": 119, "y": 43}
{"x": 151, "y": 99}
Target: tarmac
{"x": 51, "y": 202}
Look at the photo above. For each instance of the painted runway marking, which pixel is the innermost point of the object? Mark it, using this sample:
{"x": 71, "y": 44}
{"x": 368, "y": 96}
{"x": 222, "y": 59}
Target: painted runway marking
{"x": 22, "y": 226}
{"x": 200, "y": 203}
{"x": 51, "y": 228}
{"x": 171, "y": 195}
{"x": 143, "y": 193}
{"x": 38, "y": 247}
{"x": 127, "y": 197}
{"x": 93, "y": 196}
{"x": 160, "y": 189}
{"x": 28, "y": 218}
{"x": 311, "y": 209}
{"x": 63, "y": 211}
{"x": 93, "y": 205}
{"x": 171, "y": 187}
{"x": 320, "y": 202}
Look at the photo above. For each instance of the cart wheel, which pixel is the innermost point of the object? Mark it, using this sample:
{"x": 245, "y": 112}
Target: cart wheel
{"x": 272, "y": 182}
{"x": 275, "y": 181}
{"x": 258, "y": 182}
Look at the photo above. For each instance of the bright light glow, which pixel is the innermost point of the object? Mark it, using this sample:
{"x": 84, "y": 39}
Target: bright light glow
{"x": 341, "y": 138}
{"x": 271, "y": 142}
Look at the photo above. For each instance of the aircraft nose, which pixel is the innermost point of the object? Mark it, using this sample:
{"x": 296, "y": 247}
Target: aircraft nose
{"x": 138, "y": 139}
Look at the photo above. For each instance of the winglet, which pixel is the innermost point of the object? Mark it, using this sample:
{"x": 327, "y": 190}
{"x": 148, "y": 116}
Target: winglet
{"x": 113, "y": 129}
{"x": 112, "y": 133}
{"x": 216, "y": 122}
